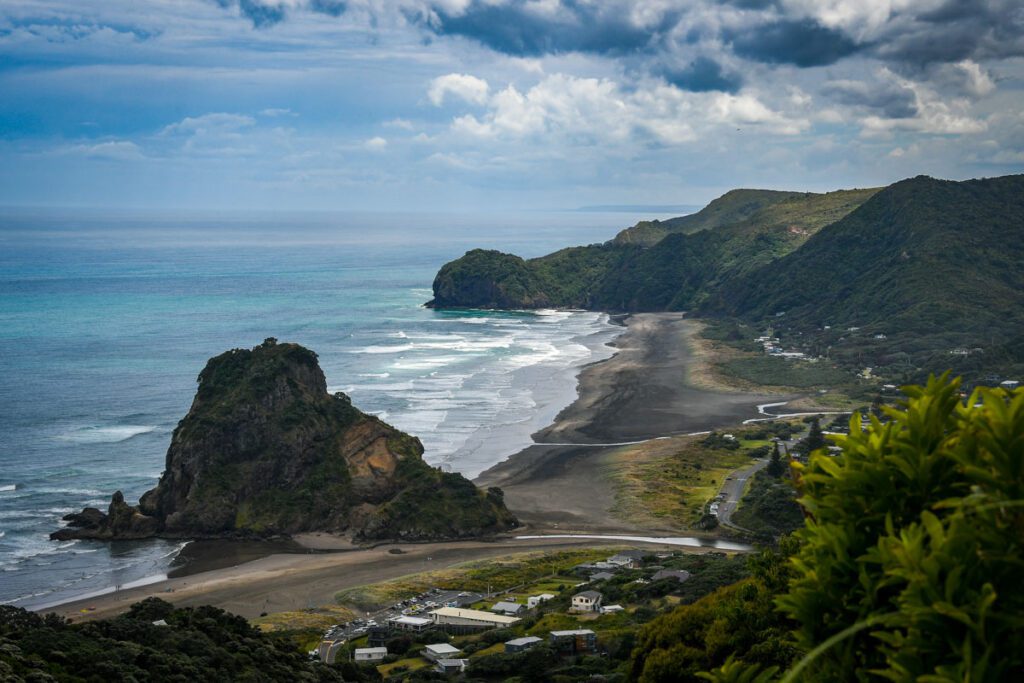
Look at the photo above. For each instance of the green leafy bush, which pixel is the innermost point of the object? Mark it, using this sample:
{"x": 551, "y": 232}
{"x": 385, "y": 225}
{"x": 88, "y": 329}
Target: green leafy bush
{"x": 914, "y": 552}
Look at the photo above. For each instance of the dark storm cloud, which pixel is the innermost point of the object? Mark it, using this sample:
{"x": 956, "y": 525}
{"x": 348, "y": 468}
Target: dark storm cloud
{"x": 264, "y": 15}
{"x": 802, "y": 43}
{"x": 514, "y": 29}
{"x": 890, "y": 100}
{"x": 701, "y": 75}
{"x": 959, "y": 29}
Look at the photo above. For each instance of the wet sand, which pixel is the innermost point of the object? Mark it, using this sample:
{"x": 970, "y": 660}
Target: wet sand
{"x": 281, "y": 583}
{"x": 642, "y": 392}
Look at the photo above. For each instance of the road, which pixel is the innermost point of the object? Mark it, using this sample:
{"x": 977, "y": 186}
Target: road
{"x": 737, "y": 481}
{"x": 733, "y": 490}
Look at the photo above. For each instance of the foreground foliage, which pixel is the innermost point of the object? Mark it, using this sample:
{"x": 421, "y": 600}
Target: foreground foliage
{"x": 908, "y": 568}
{"x": 200, "y": 644}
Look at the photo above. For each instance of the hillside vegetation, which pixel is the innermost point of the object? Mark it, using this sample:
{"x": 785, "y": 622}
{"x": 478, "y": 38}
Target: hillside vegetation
{"x": 926, "y": 272}
{"x": 907, "y": 568}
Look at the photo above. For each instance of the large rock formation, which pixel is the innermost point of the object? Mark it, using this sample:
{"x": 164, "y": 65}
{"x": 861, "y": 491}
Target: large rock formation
{"x": 265, "y": 450}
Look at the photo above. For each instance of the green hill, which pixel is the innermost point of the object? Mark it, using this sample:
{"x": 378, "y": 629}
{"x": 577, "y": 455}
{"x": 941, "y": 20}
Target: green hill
{"x": 935, "y": 266}
{"x": 690, "y": 255}
{"x": 928, "y": 272}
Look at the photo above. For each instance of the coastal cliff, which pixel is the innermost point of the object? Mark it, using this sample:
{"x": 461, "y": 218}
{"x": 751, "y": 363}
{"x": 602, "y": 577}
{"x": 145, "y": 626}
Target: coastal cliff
{"x": 266, "y": 450}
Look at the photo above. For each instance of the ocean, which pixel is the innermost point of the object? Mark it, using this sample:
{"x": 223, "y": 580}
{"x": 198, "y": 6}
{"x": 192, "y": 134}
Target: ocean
{"x": 106, "y": 319}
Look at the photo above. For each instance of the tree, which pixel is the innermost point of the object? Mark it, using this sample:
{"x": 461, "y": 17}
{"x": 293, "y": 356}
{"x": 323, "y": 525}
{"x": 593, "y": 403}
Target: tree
{"x": 908, "y": 568}
{"x": 815, "y": 438}
{"x": 775, "y": 467}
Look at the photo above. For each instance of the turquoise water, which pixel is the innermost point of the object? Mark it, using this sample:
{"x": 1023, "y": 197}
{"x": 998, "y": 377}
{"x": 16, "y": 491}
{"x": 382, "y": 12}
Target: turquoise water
{"x": 106, "y": 320}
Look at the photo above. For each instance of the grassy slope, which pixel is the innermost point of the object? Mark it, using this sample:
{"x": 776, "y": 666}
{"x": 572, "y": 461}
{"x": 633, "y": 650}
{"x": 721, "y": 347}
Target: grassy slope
{"x": 931, "y": 264}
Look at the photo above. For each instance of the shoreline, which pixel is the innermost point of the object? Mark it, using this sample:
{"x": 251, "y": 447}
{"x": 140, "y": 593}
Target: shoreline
{"x": 641, "y": 391}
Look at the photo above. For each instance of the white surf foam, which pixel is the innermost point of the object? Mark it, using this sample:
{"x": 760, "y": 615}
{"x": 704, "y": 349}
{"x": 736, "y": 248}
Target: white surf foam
{"x": 4, "y": 488}
{"x": 93, "y": 434}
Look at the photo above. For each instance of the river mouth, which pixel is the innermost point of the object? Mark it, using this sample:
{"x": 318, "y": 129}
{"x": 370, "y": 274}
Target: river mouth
{"x": 683, "y": 541}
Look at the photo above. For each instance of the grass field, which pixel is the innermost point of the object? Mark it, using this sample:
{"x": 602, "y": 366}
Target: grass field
{"x": 517, "y": 570}
{"x": 670, "y": 481}
{"x": 319, "y": 618}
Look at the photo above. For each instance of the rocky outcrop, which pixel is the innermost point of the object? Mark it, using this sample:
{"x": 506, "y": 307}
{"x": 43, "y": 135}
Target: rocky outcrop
{"x": 265, "y": 450}
{"x": 489, "y": 279}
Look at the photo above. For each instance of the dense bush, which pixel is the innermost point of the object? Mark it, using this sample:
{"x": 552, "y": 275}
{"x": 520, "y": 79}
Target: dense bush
{"x": 197, "y": 644}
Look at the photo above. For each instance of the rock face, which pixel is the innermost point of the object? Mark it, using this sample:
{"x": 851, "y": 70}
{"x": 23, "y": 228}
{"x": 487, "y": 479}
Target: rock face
{"x": 265, "y": 450}
{"x": 488, "y": 279}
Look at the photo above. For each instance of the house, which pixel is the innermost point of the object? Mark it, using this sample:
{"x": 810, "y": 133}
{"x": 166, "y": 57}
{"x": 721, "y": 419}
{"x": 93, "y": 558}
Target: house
{"x": 679, "y": 575}
{"x": 451, "y": 666}
{"x": 407, "y": 623}
{"x": 535, "y": 600}
{"x": 458, "y": 620}
{"x": 587, "y": 601}
{"x": 1009, "y": 384}
{"x": 633, "y": 559}
{"x": 602, "y": 576}
{"x": 509, "y": 608}
{"x": 439, "y": 651}
{"x": 521, "y": 644}
{"x": 612, "y": 609}
{"x": 573, "y": 642}
{"x": 370, "y": 654}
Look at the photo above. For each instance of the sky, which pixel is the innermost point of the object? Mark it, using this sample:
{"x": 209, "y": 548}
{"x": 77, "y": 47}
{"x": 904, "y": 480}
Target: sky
{"x": 497, "y": 105}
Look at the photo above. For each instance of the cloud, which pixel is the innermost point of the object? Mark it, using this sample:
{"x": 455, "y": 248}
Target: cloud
{"x": 567, "y": 109}
{"x": 891, "y": 99}
{"x": 111, "y": 150}
{"x": 215, "y": 122}
{"x": 468, "y": 88}
{"x": 802, "y": 43}
{"x": 537, "y": 27}
{"x": 375, "y": 144}
{"x": 701, "y": 75}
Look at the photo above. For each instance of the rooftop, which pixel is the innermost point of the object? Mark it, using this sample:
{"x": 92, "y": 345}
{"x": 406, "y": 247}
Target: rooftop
{"x": 474, "y": 614}
{"x": 525, "y": 640}
{"x": 371, "y": 650}
{"x": 574, "y": 632}
{"x": 593, "y": 595}
{"x": 443, "y": 649}
{"x": 414, "y": 621}
{"x": 505, "y": 606}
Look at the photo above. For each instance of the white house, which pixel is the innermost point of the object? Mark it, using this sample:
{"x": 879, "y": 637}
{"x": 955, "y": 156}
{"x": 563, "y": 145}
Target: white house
{"x": 628, "y": 558}
{"x": 407, "y": 623}
{"x": 535, "y": 600}
{"x": 370, "y": 654}
{"x": 587, "y": 601}
{"x": 438, "y": 651}
{"x": 451, "y": 666}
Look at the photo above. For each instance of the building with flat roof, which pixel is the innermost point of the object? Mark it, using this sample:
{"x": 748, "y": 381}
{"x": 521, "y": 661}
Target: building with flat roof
{"x": 456, "y": 619}
{"x": 438, "y": 651}
{"x": 521, "y": 644}
{"x": 451, "y": 666}
{"x": 574, "y": 642}
{"x": 370, "y": 654}
{"x": 407, "y": 623}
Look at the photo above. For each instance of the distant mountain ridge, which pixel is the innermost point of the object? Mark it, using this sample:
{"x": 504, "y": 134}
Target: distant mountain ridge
{"x": 929, "y": 260}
